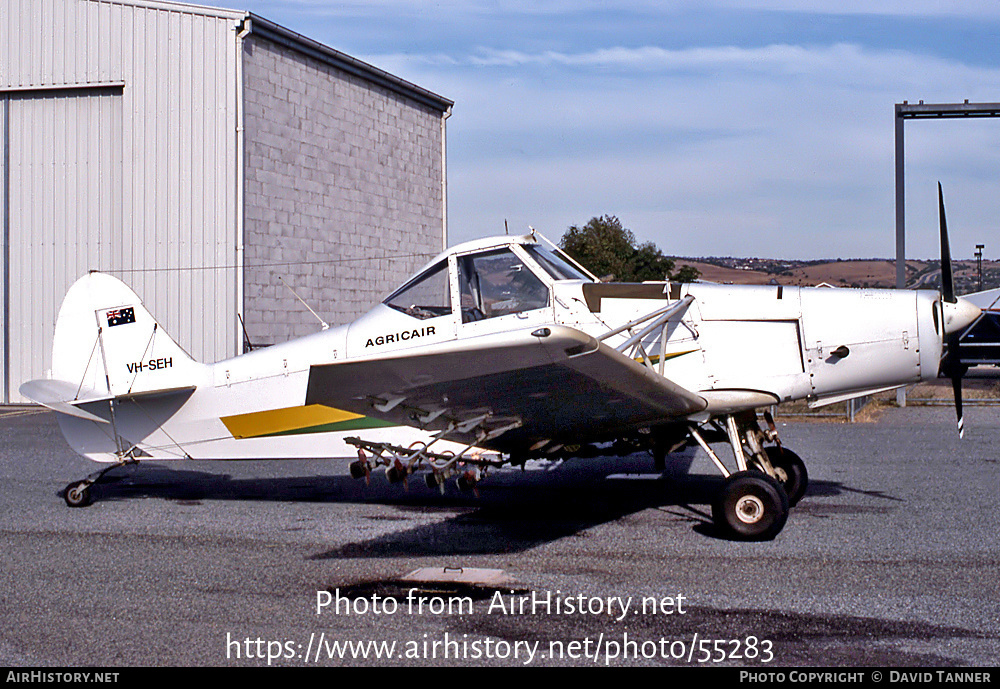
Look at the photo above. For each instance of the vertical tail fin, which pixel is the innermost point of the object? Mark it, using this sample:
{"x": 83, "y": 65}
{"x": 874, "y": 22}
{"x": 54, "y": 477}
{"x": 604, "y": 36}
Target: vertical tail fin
{"x": 108, "y": 343}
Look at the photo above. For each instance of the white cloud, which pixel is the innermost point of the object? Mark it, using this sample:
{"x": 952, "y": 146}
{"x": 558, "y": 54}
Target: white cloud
{"x": 783, "y": 150}
{"x": 919, "y": 8}
{"x": 529, "y": 8}
{"x": 702, "y": 124}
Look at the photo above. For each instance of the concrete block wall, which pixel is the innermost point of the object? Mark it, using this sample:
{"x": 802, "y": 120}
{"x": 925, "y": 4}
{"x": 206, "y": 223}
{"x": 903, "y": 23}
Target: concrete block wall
{"x": 343, "y": 191}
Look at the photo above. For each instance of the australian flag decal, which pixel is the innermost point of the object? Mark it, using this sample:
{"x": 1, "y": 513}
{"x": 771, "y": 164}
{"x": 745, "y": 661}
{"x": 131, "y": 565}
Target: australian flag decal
{"x": 121, "y": 316}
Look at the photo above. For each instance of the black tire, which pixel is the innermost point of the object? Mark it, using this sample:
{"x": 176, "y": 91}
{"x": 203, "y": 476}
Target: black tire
{"x": 359, "y": 469}
{"x": 659, "y": 459}
{"x": 78, "y": 494}
{"x": 792, "y": 474}
{"x": 751, "y": 507}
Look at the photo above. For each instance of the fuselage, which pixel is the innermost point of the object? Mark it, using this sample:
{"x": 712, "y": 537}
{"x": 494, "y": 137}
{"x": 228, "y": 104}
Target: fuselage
{"x": 739, "y": 347}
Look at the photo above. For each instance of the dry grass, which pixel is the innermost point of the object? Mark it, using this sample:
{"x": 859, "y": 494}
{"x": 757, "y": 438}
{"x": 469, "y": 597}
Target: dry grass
{"x": 800, "y": 411}
{"x": 873, "y": 273}
{"x": 972, "y": 389}
{"x": 923, "y": 393}
{"x": 720, "y": 274}
{"x": 836, "y": 273}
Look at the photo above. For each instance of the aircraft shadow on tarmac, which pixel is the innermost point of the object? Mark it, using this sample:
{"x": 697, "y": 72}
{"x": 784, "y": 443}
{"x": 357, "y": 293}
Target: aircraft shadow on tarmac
{"x": 511, "y": 511}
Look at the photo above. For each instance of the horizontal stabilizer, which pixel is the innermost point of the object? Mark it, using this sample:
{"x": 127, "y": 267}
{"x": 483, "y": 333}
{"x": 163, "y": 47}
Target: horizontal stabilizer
{"x": 61, "y": 396}
{"x": 68, "y": 398}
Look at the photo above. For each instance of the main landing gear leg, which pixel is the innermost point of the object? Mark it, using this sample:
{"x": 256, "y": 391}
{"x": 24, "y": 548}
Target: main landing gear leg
{"x": 786, "y": 466}
{"x": 790, "y": 471}
{"x": 754, "y": 501}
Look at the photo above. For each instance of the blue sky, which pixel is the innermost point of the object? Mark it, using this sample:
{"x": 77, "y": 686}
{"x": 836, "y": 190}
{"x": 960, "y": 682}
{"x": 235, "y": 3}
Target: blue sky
{"x": 709, "y": 127}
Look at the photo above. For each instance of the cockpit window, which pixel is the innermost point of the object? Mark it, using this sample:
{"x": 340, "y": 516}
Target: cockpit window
{"x": 425, "y": 297}
{"x": 555, "y": 265}
{"x": 497, "y": 283}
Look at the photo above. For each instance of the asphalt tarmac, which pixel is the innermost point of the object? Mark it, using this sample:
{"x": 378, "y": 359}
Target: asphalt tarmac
{"x": 891, "y": 560}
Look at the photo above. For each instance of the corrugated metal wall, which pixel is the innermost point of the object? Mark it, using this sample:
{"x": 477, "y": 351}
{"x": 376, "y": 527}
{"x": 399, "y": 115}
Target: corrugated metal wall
{"x": 121, "y": 156}
{"x": 64, "y": 179}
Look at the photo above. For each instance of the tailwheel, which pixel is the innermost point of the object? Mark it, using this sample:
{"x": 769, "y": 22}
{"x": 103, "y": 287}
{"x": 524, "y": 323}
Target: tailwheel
{"x": 790, "y": 471}
{"x": 81, "y": 494}
{"x": 78, "y": 494}
{"x": 751, "y": 506}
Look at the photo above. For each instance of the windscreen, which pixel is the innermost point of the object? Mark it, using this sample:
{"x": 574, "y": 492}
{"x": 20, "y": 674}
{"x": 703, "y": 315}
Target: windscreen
{"x": 555, "y": 265}
{"x": 497, "y": 283}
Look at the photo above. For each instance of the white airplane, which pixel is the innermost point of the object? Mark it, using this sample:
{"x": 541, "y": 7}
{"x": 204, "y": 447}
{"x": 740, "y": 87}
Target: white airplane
{"x": 496, "y": 352}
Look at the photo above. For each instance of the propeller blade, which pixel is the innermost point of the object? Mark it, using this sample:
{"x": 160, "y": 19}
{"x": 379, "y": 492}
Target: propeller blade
{"x": 947, "y": 279}
{"x": 956, "y": 386}
{"x": 951, "y": 364}
{"x": 952, "y": 367}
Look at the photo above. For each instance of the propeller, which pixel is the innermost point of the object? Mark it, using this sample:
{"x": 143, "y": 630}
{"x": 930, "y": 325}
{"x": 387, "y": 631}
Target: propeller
{"x": 951, "y": 362}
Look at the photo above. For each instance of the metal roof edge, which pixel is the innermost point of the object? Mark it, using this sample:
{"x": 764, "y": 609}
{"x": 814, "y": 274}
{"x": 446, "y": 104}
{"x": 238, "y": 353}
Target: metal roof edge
{"x": 286, "y": 37}
{"x": 182, "y": 7}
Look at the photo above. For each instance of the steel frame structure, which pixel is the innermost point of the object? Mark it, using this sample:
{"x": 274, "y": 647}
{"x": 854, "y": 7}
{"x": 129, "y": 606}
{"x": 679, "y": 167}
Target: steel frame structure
{"x": 921, "y": 111}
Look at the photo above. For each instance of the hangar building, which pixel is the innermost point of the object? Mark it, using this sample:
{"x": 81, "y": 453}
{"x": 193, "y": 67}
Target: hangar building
{"x": 200, "y": 155}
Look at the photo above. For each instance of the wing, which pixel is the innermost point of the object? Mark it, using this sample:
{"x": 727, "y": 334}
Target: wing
{"x": 507, "y": 391}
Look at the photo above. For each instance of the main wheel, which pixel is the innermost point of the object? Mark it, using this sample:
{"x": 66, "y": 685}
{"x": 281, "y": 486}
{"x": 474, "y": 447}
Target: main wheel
{"x": 791, "y": 471}
{"x": 659, "y": 458}
{"x": 78, "y": 494}
{"x": 751, "y": 506}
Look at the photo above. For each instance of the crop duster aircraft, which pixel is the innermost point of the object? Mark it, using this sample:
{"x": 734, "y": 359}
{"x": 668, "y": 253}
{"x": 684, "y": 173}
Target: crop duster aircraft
{"x": 496, "y": 352}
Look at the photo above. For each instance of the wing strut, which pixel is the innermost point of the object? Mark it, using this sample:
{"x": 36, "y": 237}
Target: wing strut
{"x": 655, "y": 319}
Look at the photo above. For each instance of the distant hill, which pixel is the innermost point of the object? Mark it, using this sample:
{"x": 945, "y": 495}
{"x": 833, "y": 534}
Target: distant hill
{"x": 840, "y": 273}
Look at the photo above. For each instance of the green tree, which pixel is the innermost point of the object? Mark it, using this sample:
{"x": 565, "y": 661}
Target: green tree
{"x": 609, "y": 250}
{"x": 686, "y": 274}
{"x": 602, "y": 245}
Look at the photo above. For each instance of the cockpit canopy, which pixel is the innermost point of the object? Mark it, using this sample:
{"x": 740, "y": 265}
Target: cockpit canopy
{"x": 492, "y": 281}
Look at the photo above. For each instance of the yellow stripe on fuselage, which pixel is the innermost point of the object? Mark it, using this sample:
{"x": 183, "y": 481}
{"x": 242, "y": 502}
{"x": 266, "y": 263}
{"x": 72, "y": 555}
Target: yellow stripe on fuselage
{"x": 292, "y": 420}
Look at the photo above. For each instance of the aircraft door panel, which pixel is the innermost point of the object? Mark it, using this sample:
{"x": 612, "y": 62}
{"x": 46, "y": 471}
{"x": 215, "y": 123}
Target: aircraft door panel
{"x": 751, "y": 354}
{"x": 845, "y": 351}
{"x": 498, "y": 291}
